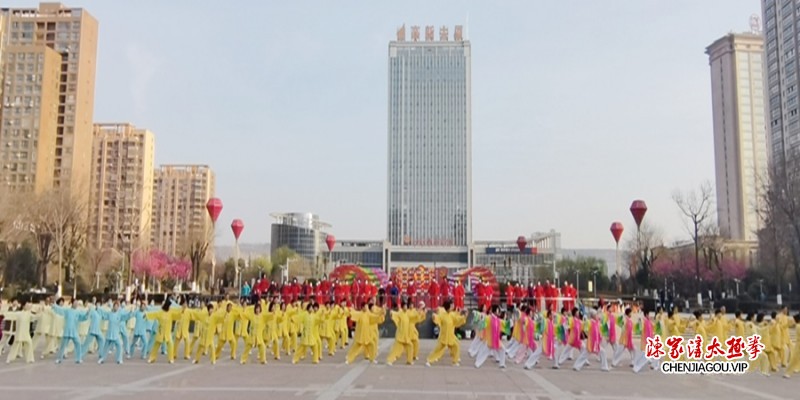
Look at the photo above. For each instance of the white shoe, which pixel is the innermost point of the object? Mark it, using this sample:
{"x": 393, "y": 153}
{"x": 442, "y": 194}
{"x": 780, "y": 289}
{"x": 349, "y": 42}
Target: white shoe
{"x": 100, "y": 361}
{"x": 427, "y": 364}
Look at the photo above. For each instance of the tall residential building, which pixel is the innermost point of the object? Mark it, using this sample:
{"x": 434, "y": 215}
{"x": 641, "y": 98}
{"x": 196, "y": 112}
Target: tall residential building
{"x": 121, "y": 188}
{"x": 740, "y": 139}
{"x": 179, "y": 210}
{"x": 72, "y": 33}
{"x": 429, "y": 145}
{"x": 29, "y": 117}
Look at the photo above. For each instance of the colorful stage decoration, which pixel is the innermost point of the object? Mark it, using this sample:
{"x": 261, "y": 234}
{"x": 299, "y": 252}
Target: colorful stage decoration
{"x": 420, "y": 275}
{"x": 478, "y": 274}
{"x": 349, "y": 273}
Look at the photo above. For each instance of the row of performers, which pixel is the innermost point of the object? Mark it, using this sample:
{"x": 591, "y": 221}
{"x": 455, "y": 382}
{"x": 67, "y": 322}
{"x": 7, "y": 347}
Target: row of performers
{"x": 556, "y": 337}
{"x": 434, "y": 293}
{"x": 299, "y": 328}
{"x": 285, "y": 329}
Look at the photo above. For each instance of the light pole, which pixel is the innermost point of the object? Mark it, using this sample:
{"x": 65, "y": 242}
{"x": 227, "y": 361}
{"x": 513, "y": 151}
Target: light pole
{"x": 237, "y": 226}
{"x": 214, "y": 208}
{"x": 638, "y": 210}
{"x": 616, "y": 232}
{"x": 594, "y": 282}
{"x": 330, "y": 241}
{"x": 577, "y": 284}
{"x": 737, "y": 286}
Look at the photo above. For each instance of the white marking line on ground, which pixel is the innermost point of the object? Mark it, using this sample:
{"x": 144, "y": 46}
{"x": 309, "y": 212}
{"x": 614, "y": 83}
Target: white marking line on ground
{"x": 341, "y": 386}
{"x": 158, "y": 389}
{"x": 20, "y": 368}
{"x": 742, "y": 389}
{"x": 362, "y": 392}
{"x": 552, "y": 390}
{"x": 133, "y": 385}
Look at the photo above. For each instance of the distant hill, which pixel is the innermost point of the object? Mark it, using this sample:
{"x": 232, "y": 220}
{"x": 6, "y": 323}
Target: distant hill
{"x": 246, "y": 250}
{"x": 609, "y": 255}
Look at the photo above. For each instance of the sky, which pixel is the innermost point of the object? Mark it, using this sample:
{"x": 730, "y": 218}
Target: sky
{"x": 578, "y": 107}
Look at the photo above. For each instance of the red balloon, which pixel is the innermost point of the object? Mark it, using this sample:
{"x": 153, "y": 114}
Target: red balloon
{"x": 521, "y": 243}
{"x": 616, "y": 230}
{"x": 214, "y": 207}
{"x": 237, "y": 226}
{"x": 331, "y": 242}
{"x": 638, "y": 209}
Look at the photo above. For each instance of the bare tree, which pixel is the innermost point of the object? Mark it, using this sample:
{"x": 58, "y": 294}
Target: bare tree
{"x": 697, "y": 207}
{"x": 643, "y": 249}
{"x": 781, "y": 214}
{"x": 63, "y": 217}
{"x": 98, "y": 259}
{"x": 195, "y": 246}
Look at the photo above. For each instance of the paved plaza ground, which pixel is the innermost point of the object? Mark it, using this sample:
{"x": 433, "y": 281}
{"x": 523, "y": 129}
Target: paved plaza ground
{"x": 332, "y": 379}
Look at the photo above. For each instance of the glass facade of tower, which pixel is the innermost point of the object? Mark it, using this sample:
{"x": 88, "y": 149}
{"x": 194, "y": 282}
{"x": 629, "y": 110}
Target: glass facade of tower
{"x": 780, "y": 36}
{"x": 429, "y": 145}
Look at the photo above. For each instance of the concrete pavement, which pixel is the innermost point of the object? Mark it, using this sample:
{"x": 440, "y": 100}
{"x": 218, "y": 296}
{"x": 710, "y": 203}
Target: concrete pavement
{"x": 332, "y": 379}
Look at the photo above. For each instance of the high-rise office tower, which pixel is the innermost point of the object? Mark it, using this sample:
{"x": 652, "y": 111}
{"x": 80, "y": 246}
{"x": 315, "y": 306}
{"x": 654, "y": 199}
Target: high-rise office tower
{"x": 29, "y": 117}
{"x": 740, "y": 139}
{"x": 121, "y": 205}
{"x": 429, "y": 146}
{"x": 72, "y": 34}
{"x": 179, "y": 206}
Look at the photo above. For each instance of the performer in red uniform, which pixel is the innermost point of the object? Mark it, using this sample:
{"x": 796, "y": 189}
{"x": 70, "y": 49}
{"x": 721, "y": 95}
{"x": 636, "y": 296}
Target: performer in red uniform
{"x": 566, "y": 294}
{"x": 480, "y": 291}
{"x": 489, "y": 295}
{"x": 550, "y": 294}
{"x": 509, "y": 295}
{"x": 444, "y": 289}
{"x": 412, "y": 291}
{"x": 539, "y": 295}
{"x": 458, "y": 296}
{"x": 519, "y": 293}
{"x": 433, "y": 294}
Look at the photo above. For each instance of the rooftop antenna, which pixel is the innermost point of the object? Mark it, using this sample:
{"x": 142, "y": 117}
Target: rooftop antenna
{"x": 755, "y": 24}
{"x": 466, "y": 28}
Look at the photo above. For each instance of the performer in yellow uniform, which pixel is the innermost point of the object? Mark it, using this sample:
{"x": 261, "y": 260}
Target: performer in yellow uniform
{"x": 416, "y": 317}
{"x": 165, "y": 317}
{"x": 763, "y": 360}
{"x": 375, "y": 330}
{"x": 182, "y": 330}
{"x": 784, "y": 322}
{"x": 327, "y": 330}
{"x": 447, "y": 321}
{"x": 776, "y": 341}
{"x": 207, "y": 320}
{"x": 340, "y": 328}
{"x": 257, "y": 324}
{"x": 363, "y": 336}
{"x": 274, "y": 329}
{"x": 228, "y": 336}
{"x": 402, "y": 339}
{"x": 794, "y": 361}
{"x": 310, "y": 320}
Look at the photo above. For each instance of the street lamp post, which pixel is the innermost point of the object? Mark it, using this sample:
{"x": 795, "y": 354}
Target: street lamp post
{"x": 237, "y": 226}
{"x": 616, "y": 232}
{"x": 638, "y": 210}
{"x": 594, "y": 283}
{"x": 737, "y": 286}
{"x": 214, "y": 208}
{"x": 330, "y": 241}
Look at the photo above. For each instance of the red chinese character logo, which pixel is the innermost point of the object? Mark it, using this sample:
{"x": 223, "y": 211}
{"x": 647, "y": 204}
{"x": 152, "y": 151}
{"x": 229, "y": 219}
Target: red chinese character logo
{"x": 735, "y": 348}
{"x": 714, "y": 349}
{"x": 654, "y": 348}
{"x": 695, "y": 348}
{"x": 754, "y": 346}
{"x": 675, "y": 344}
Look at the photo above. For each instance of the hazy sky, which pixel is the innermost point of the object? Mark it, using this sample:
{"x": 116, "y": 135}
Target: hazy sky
{"x": 578, "y": 107}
